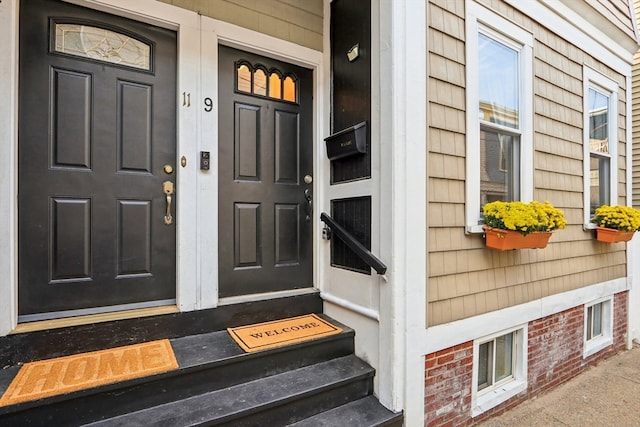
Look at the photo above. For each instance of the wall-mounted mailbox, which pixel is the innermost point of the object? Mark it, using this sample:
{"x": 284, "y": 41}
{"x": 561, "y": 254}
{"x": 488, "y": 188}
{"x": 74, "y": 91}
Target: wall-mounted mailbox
{"x": 348, "y": 142}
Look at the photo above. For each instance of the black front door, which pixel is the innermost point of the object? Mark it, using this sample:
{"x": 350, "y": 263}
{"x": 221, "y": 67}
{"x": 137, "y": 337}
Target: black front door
{"x": 97, "y": 140}
{"x": 265, "y": 172}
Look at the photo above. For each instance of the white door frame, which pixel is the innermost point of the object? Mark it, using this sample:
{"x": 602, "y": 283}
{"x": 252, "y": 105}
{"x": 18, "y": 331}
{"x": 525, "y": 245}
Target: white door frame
{"x": 196, "y": 209}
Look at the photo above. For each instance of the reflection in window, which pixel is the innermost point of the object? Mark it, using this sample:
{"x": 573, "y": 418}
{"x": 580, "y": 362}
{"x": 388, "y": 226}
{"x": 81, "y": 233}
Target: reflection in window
{"x": 599, "y": 162}
{"x": 498, "y": 107}
{"x": 244, "y": 78}
{"x": 495, "y": 361}
{"x": 260, "y": 82}
{"x": 102, "y": 45}
{"x": 499, "y": 166}
{"x": 498, "y": 82}
{"x": 275, "y": 86}
{"x": 256, "y": 81}
{"x": 289, "y": 89}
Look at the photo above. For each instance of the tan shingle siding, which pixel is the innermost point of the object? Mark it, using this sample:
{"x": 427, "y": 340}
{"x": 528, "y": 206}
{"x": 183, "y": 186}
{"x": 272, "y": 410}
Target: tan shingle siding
{"x": 466, "y": 278}
{"x": 635, "y": 84}
{"x": 297, "y": 21}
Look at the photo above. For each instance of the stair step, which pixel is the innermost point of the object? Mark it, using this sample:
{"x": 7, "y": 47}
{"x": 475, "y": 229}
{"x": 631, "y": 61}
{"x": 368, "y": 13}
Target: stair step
{"x": 208, "y": 362}
{"x": 365, "y": 412}
{"x": 275, "y": 400}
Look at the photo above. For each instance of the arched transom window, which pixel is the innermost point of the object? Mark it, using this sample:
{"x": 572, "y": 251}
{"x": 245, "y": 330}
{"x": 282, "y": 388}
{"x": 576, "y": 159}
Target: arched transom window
{"x": 257, "y": 80}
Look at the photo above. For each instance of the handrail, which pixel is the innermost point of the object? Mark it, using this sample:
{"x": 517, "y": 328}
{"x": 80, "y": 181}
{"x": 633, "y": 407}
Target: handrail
{"x": 357, "y": 247}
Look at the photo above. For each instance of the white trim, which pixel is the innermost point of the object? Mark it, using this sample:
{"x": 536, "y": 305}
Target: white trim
{"x": 576, "y": 30}
{"x": 450, "y": 334}
{"x": 403, "y": 207}
{"x": 478, "y": 18}
{"x": 592, "y": 79}
{"x": 265, "y": 296}
{"x": 596, "y": 344}
{"x": 8, "y": 165}
{"x": 482, "y": 401}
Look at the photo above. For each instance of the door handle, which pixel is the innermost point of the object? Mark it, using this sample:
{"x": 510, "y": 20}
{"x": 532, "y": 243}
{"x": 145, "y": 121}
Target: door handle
{"x": 309, "y": 197}
{"x": 167, "y": 189}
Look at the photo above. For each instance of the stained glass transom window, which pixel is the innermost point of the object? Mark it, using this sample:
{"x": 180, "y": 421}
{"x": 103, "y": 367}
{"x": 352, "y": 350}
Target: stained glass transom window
{"x": 254, "y": 80}
{"x": 102, "y": 45}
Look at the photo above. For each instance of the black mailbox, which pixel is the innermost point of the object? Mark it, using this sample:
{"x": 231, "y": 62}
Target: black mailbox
{"x": 348, "y": 142}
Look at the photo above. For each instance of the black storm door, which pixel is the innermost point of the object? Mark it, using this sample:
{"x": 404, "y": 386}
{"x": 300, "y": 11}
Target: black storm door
{"x": 97, "y": 142}
{"x": 265, "y": 173}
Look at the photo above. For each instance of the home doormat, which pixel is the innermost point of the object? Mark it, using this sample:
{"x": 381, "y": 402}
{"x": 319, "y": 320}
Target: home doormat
{"x": 262, "y": 336}
{"x": 49, "y": 377}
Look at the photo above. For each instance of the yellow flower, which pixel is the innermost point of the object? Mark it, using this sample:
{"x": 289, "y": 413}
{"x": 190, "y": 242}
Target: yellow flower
{"x": 624, "y": 218}
{"x": 523, "y": 217}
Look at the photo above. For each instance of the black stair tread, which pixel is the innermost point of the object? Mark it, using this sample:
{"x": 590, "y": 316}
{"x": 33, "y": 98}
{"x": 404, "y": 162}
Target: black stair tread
{"x": 226, "y": 404}
{"x": 192, "y": 352}
{"x": 365, "y": 412}
{"x": 197, "y": 350}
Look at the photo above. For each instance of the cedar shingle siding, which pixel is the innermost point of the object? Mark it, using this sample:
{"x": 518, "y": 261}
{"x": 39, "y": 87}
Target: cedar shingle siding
{"x": 465, "y": 278}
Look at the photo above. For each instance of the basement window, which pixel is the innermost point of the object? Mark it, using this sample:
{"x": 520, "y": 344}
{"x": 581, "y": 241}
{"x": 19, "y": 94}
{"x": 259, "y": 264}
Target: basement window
{"x": 499, "y": 369}
{"x": 598, "y": 326}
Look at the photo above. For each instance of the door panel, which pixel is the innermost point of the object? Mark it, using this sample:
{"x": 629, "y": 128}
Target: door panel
{"x": 265, "y": 147}
{"x": 94, "y": 135}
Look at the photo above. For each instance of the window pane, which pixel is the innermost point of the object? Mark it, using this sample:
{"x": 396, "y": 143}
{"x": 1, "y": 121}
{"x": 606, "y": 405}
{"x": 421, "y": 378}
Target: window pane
{"x": 498, "y": 85}
{"x": 499, "y": 167}
{"x": 289, "y": 89}
{"x": 275, "y": 86}
{"x": 597, "y": 320}
{"x": 260, "y": 82}
{"x": 589, "y": 323}
{"x": 244, "y": 78}
{"x": 102, "y": 45}
{"x": 504, "y": 357}
{"x": 598, "y": 122}
{"x": 484, "y": 365}
{"x": 599, "y": 181}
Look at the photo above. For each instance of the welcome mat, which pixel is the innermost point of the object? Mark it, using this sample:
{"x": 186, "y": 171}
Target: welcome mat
{"x": 46, "y": 378}
{"x": 278, "y": 333}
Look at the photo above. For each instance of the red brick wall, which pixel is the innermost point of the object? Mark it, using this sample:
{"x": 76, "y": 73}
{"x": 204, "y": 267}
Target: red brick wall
{"x": 555, "y": 356}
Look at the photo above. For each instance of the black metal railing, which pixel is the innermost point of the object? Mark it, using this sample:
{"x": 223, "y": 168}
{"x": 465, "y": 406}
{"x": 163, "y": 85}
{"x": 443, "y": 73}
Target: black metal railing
{"x": 353, "y": 244}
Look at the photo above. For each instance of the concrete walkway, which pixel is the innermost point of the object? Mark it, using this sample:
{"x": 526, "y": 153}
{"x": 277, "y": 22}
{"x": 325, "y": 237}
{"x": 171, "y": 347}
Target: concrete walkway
{"x": 604, "y": 395}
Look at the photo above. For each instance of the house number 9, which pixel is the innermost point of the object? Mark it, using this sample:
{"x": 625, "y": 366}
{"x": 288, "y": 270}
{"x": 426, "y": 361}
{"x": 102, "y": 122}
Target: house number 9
{"x": 208, "y": 105}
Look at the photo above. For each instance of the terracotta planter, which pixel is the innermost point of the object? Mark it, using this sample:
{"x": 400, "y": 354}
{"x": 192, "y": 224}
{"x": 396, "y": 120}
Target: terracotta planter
{"x": 610, "y": 235}
{"x": 503, "y": 240}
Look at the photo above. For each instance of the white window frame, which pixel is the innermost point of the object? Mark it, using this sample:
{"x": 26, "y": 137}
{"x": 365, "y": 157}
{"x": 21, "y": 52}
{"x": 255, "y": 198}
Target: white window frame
{"x": 489, "y": 397}
{"x": 592, "y": 79}
{"x": 604, "y": 340}
{"x": 480, "y": 19}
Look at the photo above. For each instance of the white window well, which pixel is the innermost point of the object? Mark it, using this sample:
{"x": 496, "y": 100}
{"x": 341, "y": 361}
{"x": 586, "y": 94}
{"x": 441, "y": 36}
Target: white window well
{"x": 598, "y": 325}
{"x": 499, "y": 368}
{"x": 600, "y": 142}
{"x": 499, "y": 113}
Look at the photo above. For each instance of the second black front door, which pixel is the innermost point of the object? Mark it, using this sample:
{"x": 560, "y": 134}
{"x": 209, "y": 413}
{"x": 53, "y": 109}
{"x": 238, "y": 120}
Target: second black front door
{"x": 265, "y": 174}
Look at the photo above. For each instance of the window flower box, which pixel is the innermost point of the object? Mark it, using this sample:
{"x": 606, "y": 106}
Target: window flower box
{"x": 503, "y": 240}
{"x": 616, "y": 223}
{"x": 519, "y": 225}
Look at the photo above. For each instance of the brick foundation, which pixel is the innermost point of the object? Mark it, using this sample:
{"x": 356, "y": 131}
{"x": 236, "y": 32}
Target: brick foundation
{"x": 554, "y": 356}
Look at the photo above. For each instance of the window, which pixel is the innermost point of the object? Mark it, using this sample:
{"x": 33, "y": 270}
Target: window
{"x": 600, "y": 142}
{"x": 101, "y": 44}
{"x": 499, "y": 368}
{"x": 256, "y": 80}
{"x": 499, "y": 136}
{"x": 598, "y": 326}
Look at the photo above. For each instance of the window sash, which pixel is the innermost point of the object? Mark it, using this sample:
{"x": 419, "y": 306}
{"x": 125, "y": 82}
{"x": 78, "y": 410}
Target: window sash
{"x": 496, "y": 362}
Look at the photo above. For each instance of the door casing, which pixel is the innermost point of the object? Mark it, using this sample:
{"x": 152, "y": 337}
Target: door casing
{"x": 198, "y": 38}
